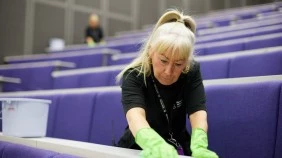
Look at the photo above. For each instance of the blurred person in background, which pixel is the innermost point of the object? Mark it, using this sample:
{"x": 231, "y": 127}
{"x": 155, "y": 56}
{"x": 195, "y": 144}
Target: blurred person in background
{"x": 94, "y": 33}
{"x": 160, "y": 88}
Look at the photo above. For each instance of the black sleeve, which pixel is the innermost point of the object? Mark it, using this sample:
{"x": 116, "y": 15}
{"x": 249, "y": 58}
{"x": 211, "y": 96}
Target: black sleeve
{"x": 132, "y": 90}
{"x": 194, "y": 94}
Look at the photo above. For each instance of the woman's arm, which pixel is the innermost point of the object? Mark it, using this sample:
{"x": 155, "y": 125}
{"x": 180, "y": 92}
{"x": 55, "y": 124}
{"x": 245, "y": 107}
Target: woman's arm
{"x": 199, "y": 120}
{"x": 199, "y": 138}
{"x": 136, "y": 119}
{"x": 151, "y": 142}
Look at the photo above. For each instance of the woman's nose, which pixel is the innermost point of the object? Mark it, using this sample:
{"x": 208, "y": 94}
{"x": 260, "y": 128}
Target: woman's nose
{"x": 169, "y": 69}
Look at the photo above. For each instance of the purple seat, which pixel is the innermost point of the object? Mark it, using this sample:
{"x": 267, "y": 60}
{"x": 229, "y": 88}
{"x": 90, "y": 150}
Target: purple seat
{"x": 276, "y": 29}
{"x": 64, "y": 156}
{"x": 94, "y": 79}
{"x": 103, "y": 77}
{"x": 40, "y": 78}
{"x": 52, "y": 114}
{"x": 224, "y": 38}
{"x": 264, "y": 42}
{"x": 23, "y": 74}
{"x": 214, "y": 69}
{"x": 1, "y": 120}
{"x": 73, "y": 116}
{"x": 243, "y": 119}
{"x": 278, "y": 146}
{"x": 256, "y": 65}
{"x": 200, "y": 50}
{"x": 126, "y": 48}
{"x": 217, "y": 49}
{"x": 108, "y": 119}
{"x": 112, "y": 79}
{"x": 62, "y": 82}
{"x": 2, "y": 147}
{"x": 221, "y": 22}
{"x": 11, "y": 150}
{"x": 120, "y": 61}
{"x": 19, "y": 151}
{"x": 81, "y": 61}
{"x": 246, "y": 15}
{"x": 34, "y": 78}
{"x": 241, "y": 34}
{"x": 85, "y": 61}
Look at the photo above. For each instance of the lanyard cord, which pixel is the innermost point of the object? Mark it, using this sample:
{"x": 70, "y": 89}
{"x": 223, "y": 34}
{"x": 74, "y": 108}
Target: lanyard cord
{"x": 163, "y": 105}
{"x": 171, "y": 139}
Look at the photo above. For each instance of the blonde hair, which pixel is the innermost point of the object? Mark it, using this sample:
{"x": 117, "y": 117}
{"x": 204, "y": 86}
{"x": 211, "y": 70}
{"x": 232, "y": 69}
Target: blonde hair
{"x": 174, "y": 31}
{"x": 94, "y": 17}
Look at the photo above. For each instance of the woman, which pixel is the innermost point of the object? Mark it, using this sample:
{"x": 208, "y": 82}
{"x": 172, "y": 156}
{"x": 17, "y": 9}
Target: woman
{"x": 159, "y": 89}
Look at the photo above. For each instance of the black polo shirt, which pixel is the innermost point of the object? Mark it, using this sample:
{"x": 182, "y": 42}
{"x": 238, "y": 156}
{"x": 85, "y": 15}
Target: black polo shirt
{"x": 183, "y": 97}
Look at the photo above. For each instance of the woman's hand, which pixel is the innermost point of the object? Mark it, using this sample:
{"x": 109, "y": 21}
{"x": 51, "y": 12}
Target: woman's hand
{"x": 90, "y": 42}
{"x": 199, "y": 144}
{"x": 199, "y": 138}
{"x": 153, "y": 145}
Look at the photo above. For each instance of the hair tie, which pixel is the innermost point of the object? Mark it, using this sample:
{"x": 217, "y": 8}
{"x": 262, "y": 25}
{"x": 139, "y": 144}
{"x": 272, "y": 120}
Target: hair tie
{"x": 180, "y": 20}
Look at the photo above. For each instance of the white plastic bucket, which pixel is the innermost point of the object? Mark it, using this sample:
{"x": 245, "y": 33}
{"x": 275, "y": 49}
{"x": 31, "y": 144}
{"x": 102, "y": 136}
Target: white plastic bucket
{"x": 24, "y": 117}
{"x": 56, "y": 44}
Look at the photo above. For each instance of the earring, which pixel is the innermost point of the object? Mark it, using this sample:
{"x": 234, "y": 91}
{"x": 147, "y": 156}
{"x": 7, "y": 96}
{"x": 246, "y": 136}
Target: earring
{"x": 186, "y": 70}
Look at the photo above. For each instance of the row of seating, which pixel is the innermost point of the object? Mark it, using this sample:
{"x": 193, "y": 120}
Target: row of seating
{"x": 11, "y": 150}
{"x": 240, "y": 34}
{"x": 243, "y": 24}
{"x": 254, "y": 40}
{"x": 216, "y": 19}
{"x": 88, "y": 58}
{"x": 32, "y": 76}
{"x": 266, "y": 61}
{"x": 89, "y": 77}
{"x": 259, "y": 62}
{"x": 254, "y": 62}
{"x": 240, "y": 25}
{"x": 239, "y": 44}
{"x": 242, "y": 40}
{"x": 242, "y": 113}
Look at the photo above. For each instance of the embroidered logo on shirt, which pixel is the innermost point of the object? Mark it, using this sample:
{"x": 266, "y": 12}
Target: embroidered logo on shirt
{"x": 178, "y": 104}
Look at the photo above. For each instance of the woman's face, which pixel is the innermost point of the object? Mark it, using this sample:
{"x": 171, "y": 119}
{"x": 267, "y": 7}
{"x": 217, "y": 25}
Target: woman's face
{"x": 167, "y": 68}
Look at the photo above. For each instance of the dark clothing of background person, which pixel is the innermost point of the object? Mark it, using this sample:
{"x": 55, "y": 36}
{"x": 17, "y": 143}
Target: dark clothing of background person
{"x": 95, "y": 33}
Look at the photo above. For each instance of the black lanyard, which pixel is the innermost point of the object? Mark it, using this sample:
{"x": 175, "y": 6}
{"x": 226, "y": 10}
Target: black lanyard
{"x": 162, "y": 104}
{"x": 171, "y": 139}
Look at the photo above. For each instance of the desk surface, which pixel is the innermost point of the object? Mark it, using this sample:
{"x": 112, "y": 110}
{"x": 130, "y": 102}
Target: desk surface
{"x": 10, "y": 79}
{"x": 77, "y": 148}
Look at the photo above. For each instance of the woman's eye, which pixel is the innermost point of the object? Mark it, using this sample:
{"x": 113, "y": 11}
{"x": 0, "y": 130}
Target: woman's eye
{"x": 177, "y": 64}
{"x": 163, "y": 61}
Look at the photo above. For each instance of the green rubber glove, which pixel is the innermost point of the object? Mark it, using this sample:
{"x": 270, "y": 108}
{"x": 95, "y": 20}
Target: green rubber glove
{"x": 91, "y": 44}
{"x": 199, "y": 144}
{"x": 153, "y": 145}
